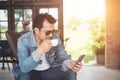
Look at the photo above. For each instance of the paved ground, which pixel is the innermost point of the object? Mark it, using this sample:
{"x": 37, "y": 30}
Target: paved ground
{"x": 98, "y": 72}
{"x": 6, "y": 74}
{"x": 88, "y": 72}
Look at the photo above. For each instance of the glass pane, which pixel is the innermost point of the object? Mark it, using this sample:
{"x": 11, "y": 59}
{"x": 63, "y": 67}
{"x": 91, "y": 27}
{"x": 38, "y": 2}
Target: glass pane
{"x": 53, "y": 12}
{"x": 20, "y": 26}
{"x": 3, "y": 29}
{"x": 28, "y": 14}
{"x": 43, "y": 10}
{"x": 3, "y": 15}
{"x": 3, "y": 23}
{"x": 22, "y": 15}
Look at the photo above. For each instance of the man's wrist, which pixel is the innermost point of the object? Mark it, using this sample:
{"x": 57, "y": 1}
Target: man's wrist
{"x": 65, "y": 64}
{"x": 35, "y": 57}
{"x": 39, "y": 53}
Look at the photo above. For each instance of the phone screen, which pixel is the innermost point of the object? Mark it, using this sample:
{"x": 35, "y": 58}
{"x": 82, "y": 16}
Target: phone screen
{"x": 80, "y": 58}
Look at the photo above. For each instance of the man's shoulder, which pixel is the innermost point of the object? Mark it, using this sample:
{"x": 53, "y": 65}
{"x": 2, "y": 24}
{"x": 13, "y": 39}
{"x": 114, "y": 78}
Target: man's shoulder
{"x": 26, "y": 36}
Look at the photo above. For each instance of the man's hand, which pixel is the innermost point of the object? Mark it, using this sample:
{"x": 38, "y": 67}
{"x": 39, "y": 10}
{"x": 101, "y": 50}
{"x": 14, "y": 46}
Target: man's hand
{"x": 45, "y": 46}
{"x": 74, "y": 66}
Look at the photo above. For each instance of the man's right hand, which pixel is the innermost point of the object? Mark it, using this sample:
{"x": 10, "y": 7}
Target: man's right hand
{"x": 44, "y": 47}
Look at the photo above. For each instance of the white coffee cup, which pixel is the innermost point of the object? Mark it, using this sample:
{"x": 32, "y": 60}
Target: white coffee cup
{"x": 54, "y": 42}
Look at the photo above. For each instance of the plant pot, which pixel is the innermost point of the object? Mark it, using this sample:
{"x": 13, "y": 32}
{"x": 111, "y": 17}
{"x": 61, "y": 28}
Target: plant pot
{"x": 100, "y": 56}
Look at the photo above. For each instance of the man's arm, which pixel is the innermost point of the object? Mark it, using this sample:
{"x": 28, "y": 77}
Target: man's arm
{"x": 26, "y": 60}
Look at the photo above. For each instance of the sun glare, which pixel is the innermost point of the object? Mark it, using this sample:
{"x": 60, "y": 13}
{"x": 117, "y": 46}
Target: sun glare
{"x": 84, "y": 9}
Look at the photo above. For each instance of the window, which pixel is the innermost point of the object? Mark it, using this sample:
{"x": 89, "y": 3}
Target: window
{"x": 22, "y": 14}
{"x": 3, "y": 23}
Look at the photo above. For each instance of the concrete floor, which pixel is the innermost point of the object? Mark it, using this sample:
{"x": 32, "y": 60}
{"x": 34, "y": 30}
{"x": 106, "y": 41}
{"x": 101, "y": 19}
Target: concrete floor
{"x": 5, "y": 74}
{"x": 98, "y": 72}
{"x": 88, "y": 72}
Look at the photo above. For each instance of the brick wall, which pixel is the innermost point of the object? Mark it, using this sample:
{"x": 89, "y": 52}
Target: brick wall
{"x": 112, "y": 50}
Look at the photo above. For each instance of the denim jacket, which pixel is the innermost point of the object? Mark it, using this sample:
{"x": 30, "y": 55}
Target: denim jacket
{"x": 28, "y": 58}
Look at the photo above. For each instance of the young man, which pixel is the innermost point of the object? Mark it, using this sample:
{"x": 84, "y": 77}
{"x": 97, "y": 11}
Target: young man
{"x": 39, "y": 59}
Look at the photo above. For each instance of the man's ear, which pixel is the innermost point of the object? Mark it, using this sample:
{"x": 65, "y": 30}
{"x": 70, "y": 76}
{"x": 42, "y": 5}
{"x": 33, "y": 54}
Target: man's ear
{"x": 36, "y": 30}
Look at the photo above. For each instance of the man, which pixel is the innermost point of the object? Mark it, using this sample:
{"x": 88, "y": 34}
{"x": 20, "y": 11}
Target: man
{"x": 39, "y": 59}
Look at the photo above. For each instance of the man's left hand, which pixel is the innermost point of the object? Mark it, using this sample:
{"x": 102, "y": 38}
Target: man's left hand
{"x": 75, "y": 66}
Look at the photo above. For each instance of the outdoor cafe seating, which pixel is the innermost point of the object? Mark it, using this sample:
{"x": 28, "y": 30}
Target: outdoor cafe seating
{"x": 8, "y": 49}
{"x": 5, "y": 54}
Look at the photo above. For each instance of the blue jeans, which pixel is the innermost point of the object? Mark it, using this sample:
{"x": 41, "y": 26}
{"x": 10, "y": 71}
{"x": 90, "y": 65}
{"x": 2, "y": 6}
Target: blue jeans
{"x": 53, "y": 73}
{"x": 24, "y": 76}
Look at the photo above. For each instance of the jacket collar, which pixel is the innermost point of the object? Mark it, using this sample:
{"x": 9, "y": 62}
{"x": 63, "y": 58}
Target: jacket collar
{"x": 32, "y": 40}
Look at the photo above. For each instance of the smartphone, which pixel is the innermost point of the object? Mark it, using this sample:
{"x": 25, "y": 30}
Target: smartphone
{"x": 80, "y": 59}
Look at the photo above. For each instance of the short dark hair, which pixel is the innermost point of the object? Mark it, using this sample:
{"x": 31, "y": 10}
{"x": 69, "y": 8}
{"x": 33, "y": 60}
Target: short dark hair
{"x": 39, "y": 19}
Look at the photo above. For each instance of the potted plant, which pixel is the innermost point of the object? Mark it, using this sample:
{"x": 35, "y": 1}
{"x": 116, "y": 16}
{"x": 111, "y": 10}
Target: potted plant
{"x": 98, "y": 43}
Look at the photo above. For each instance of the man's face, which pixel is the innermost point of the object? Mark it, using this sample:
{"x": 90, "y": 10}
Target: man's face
{"x": 46, "y": 31}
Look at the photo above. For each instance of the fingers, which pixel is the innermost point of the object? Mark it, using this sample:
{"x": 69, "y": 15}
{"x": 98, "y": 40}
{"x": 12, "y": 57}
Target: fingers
{"x": 77, "y": 67}
{"x": 47, "y": 43}
{"x": 74, "y": 66}
{"x": 45, "y": 46}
